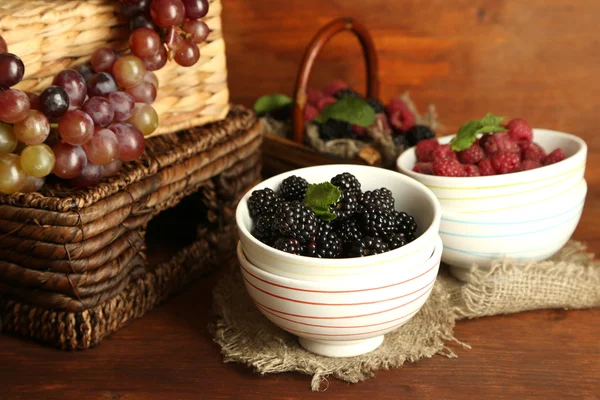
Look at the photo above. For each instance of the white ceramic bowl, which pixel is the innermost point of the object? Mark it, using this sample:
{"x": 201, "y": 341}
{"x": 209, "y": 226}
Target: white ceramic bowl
{"x": 525, "y": 216}
{"x": 341, "y": 319}
{"x": 410, "y": 196}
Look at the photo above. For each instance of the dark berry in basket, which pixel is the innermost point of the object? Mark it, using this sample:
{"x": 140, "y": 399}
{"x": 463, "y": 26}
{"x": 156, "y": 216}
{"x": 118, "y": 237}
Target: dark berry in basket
{"x": 380, "y": 198}
{"x": 405, "y": 224}
{"x": 334, "y": 129}
{"x": 340, "y": 94}
{"x": 326, "y": 245}
{"x": 376, "y": 105}
{"x": 376, "y": 221}
{"x": 347, "y": 184}
{"x": 262, "y": 202}
{"x": 346, "y": 207}
{"x": 282, "y": 114}
{"x": 401, "y": 141}
{"x": 418, "y": 133}
{"x": 396, "y": 241}
{"x": 295, "y": 220}
{"x": 289, "y": 245}
{"x": 293, "y": 188}
{"x": 368, "y": 246}
{"x": 263, "y": 229}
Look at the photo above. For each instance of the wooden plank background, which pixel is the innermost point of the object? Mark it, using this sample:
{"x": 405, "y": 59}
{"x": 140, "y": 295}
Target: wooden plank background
{"x": 539, "y": 59}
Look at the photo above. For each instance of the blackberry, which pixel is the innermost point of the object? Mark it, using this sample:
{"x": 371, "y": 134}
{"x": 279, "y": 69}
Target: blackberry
{"x": 346, "y": 207}
{"x": 262, "y": 201}
{"x": 263, "y": 229}
{"x": 368, "y": 246}
{"x": 295, "y": 220}
{"x": 293, "y": 188}
{"x": 326, "y": 245}
{"x": 283, "y": 113}
{"x": 340, "y": 94}
{"x": 334, "y": 129}
{"x": 376, "y": 221}
{"x": 348, "y": 231}
{"x": 418, "y": 133}
{"x": 401, "y": 141}
{"x": 396, "y": 241}
{"x": 289, "y": 245}
{"x": 347, "y": 184}
{"x": 405, "y": 224}
{"x": 376, "y": 105}
{"x": 381, "y": 198}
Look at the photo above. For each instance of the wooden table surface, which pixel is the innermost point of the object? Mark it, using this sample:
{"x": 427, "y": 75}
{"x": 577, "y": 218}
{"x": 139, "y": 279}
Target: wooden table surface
{"x": 168, "y": 354}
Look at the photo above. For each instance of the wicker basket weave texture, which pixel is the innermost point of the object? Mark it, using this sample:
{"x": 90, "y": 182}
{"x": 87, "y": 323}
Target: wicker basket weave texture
{"x": 54, "y": 35}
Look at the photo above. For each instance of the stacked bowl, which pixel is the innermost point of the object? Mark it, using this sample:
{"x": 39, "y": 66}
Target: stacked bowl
{"x": 527, "y": 215}
{"x": 343, "y": 307}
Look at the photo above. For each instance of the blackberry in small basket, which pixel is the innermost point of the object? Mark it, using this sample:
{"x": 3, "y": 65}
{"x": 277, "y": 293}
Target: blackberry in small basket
{"x": 376, "y": 221}
{"x": 262, "y": 201}
{"x": 400, "y": 140}
{"x": 289, "y": 245}
{"x": 334, "y": 129}
{"x": 340, "y": 94}
{"x": 263, "y": 229}
{"x": 405, "y": 224}
{"x": 347, "y": 183}
{"x": 368, "y": 246}
{"x": 293, "y": 188}
{"x": 382, "y": 198}
{"x": 376, "y": 105}
{"x": 326, "y": 245}
{"x": 418, "y": 133}
{"x": 295, "y": 220}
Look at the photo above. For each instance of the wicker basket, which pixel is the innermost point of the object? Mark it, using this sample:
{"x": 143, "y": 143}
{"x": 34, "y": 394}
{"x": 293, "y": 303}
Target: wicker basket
{"x": 73, "y": 264}
{"x": 54, "y": 35}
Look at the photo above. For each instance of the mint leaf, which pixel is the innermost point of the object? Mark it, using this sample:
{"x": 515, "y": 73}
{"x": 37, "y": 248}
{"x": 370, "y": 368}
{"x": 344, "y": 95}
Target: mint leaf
{"x": 467, "y": 134}
{"x": 320, "y": 197}
{"x": 354, "y": 110}
{"x": 271, "y": 102}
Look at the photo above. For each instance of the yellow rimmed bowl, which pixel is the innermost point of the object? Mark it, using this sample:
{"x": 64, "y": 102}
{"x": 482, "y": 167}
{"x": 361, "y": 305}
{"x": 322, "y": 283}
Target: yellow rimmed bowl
{"x": 410, "y": 196}
{"x": 526, "y": 215}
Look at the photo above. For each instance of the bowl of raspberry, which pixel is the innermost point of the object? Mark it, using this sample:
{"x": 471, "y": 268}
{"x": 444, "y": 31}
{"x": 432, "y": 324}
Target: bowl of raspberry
{"x": 506, "y": 191}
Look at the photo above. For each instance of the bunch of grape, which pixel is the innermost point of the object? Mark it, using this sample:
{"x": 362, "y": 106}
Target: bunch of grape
{"x": 81, "y": 128}
{"x": 174, "y": 22}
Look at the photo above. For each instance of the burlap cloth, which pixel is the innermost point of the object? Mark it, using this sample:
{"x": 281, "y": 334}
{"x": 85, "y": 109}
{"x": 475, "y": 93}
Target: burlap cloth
{"x": 570, "y": 280}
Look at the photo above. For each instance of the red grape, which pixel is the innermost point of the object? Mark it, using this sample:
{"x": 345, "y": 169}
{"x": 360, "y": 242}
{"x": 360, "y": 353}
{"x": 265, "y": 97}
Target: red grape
{"x": 122, "y": 103}
{"x": 33, "y": 129}
{"x": 150, "y": 77}
{"x": 3, "y": 46}
{"x": 86, "y": 71}
{"x": 129, "y": 71}
{"x": 75, "y": 127}
{"x": 103, "y": 59}
{"x": 11, "y": 69}
{"x": 74, "y": 85}
{"x": 70, "y": 160}
{"x": 90, "y": 175}
{"x": 102, "y": 148}
{"x": 14, "y": 105}
{"x": 34, "y": 101}
{"x": 133, "y": 9}
{"x": 144, "y": 42}
{"x": 32, "y": 184}
{"x": 157, "y": 61}
{"x": 187, "y": 53}
{"x": 143, "y": 93}
{"x": 197, "y": 30}
{"x": 8, "y": 140}
{"x": 144, "y": 118}
{"x": 12, "y": 176}
{"x": 101, "y": 84}
{"x": 100, "y": 110}
{"x": 131, "y": 141}
{"x": 54, "y": 102}
{"x": 141, "y": 21}
{"x": 112, "y": 169}
{"x": 37, "y": 160}
{"x": 195, "y": 8}
{"x": 167, "y": 13}
{"x": 173, "y": 38}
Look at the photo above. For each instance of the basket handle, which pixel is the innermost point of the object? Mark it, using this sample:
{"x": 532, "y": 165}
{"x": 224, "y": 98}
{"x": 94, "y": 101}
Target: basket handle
{"x": 312, "y": 52}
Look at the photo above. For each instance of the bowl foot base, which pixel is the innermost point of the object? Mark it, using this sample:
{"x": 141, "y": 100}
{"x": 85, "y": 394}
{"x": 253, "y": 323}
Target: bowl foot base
{"x": 348, "y": 348}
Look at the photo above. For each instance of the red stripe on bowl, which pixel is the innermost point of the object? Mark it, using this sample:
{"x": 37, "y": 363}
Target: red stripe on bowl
{"x": 338, "y": 334}
{"x": 336, "y": 291}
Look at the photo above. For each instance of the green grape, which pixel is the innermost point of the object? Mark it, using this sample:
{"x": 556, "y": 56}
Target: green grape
{"x": 129, "y": 71}
{"x": 8, "y": 140}
{"x": 145, "y": 118}
{"x": 34, "y": 129}
{"x": 38, "y": 160}
{"x": 12, "y": 176}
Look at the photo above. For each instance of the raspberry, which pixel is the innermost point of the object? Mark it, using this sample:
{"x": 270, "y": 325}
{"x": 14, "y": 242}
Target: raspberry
{"x": 505, "y": 163}
{"x": 340, "y": 94}
{"x": 533, "y": 152}
{"x": 442, "y": 152}
{"x": 324, "y": 102}
{"x": 402, "y": 120}
{"x": 418, "y": 133}
{"x": 359, "y": 131}
{"x": 293, "y": 188}
{"x": 334, "y": 87}
{"x": 314, "y": 96}
{"x": 472, "y": 170}
{"x": 500, "y": 142}
{"x": 425, "y": 149}
{"x": 486, "y": 168}
{"x": 448, "y": 167}
{"x": 523, "y": 144}
{"x": 376, "y": 105}
{"x": 519, "y": 129}
{"x": 395, "y": 105}
{"x": 310, "y": 113}
{"x": 554, "y": 157}
{"x": 526, "y": 165}
{"x": 424, "y": 168}
{"x": 472, "y": 155}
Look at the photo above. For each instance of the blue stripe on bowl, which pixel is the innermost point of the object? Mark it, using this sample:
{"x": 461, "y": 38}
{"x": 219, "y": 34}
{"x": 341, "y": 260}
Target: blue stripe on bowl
{"x": 494, "y": 256}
